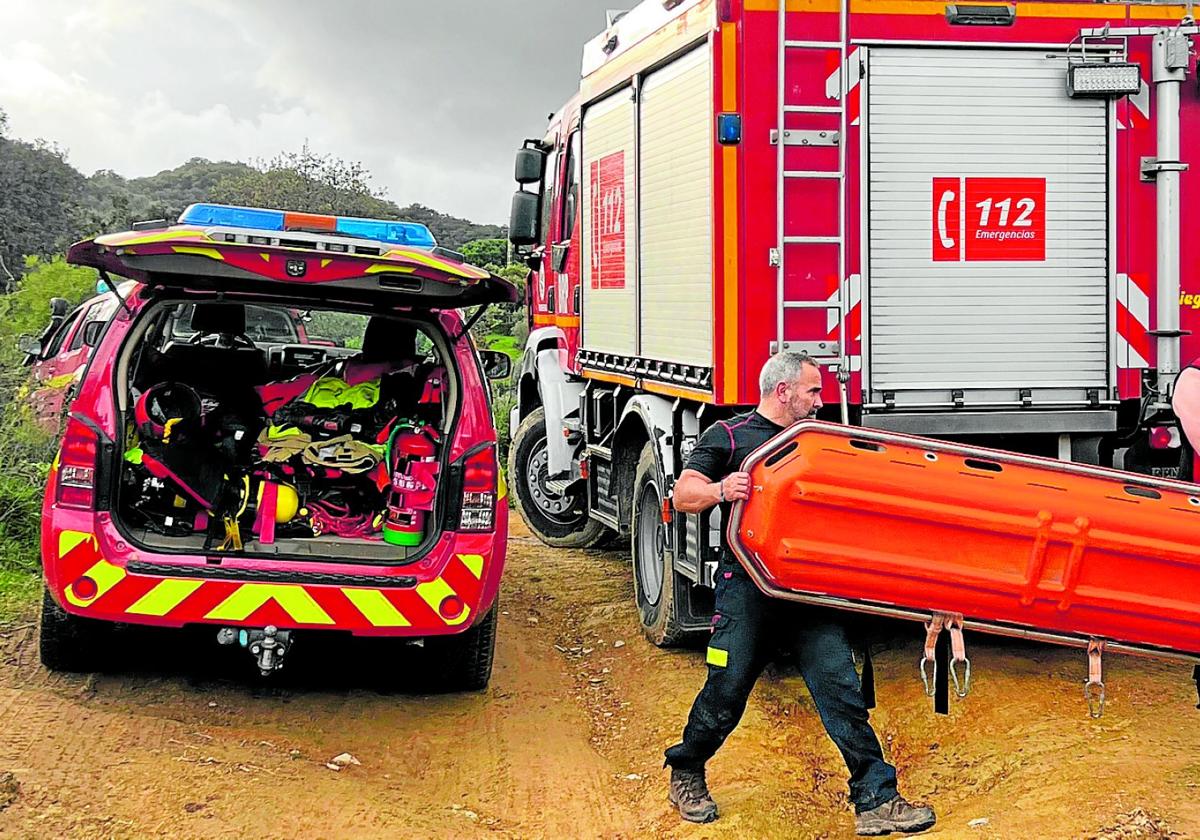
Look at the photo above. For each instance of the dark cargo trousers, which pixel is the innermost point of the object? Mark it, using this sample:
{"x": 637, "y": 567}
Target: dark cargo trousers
{"x": 748, "y": 629}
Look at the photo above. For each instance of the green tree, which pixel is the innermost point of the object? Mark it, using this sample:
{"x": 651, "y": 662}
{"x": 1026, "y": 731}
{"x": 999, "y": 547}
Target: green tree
{"x": 491, "y": 254}
{"x": 27, "y": 308}
{"x": 308, "y": 182}
{"x": 40, "y": 203}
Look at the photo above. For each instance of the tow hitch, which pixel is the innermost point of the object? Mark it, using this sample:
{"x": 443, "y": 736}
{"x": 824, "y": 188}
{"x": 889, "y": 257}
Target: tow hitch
{"x": 268, "y": 646}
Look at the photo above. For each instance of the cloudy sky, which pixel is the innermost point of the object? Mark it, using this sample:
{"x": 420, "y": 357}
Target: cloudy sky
{"x": 433, "y": 97}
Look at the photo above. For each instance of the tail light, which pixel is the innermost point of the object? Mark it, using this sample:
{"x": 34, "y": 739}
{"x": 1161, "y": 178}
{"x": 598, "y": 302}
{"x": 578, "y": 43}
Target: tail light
{"x": 480, "y": 474}
{"x": 1164, "y": 437}
{"x": 76, "y": 487}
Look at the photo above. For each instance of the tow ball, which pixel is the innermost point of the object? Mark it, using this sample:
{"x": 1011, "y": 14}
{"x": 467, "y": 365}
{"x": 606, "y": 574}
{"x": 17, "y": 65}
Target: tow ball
{"x": 268, "y": 646}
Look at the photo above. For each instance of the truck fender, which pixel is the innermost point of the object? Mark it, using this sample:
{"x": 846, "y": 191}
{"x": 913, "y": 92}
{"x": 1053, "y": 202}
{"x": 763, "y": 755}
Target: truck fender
{"x": 528, "y": 385}
{"x": 655, "y": 415}
{"x": 545, "y": 364}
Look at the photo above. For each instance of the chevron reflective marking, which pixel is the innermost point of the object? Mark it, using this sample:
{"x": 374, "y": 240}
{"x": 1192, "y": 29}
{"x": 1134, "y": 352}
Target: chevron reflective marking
{"x": 436, "y": 591}
{"x": 474, "y": 562}
{"x": 376, "y": 607}
{"x": 250, "y": 597}
{"x": 68, "y": 541}
{"x": 1133, "y": 319}
{"x": 106, "y": 576}
{"x": 164, "y": 597}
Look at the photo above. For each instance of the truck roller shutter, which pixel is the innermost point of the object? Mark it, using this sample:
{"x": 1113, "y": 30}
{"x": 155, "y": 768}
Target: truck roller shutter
{"x": 609, "y": 223}
{"x": 1008, "y": 288}
{"x": 677, "y": 211}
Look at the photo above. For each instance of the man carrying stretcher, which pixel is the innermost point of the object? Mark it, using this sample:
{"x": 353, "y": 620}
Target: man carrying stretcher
{"x": 748, "y": 626}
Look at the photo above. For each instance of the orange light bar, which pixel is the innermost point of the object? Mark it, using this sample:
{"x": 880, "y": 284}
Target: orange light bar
{"x": 308, "y": 221}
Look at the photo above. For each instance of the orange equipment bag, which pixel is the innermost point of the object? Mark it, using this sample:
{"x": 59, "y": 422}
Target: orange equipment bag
{"x": 909, "y": 527}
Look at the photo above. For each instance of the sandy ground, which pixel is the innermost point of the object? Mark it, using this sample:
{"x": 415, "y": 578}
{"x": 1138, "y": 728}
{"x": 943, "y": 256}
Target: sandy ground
{"x": 180, "y": 739}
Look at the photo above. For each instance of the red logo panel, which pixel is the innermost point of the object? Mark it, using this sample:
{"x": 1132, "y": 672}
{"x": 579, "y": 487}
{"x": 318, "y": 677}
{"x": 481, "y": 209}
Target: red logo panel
{"x": 1005, "y": 219}
{"x": 947, "y": 209}
{"x": 608, "y": 222}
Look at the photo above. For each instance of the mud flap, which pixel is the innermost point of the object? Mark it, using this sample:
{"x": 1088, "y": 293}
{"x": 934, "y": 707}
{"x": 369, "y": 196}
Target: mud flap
{"x": 1196, "y": 678}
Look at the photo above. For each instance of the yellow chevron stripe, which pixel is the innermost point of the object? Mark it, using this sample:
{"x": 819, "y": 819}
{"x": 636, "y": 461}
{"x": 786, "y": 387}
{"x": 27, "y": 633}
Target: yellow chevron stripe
{"x": 68, "y": 541}
{"x": 474, "y": 562}
{"x": 211, "y": 253}
{"x": 249, "y": 597}
{"x": 436, "y": 591}
{"x": 164, "y": 597}
{"x": 124, "y": 240}
{"x": 106, "y": 576}
{"x": 377, "y": 609}
{"x": 390, "y": 269}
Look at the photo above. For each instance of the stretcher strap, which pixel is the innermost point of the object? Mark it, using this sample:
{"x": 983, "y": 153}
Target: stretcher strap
{"x": 1093, "y": 689}
{"x": 946, "y": 653}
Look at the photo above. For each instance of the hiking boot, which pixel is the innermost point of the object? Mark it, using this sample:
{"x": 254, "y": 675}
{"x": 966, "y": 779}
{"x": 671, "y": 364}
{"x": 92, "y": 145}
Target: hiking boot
{"x": 689, "y": 793}
{"x": 897, "y": 814}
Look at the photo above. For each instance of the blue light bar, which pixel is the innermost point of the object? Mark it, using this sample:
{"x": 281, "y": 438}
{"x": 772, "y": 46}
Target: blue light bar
{"x": 411, "y": 234}
{"x": 225, "y": 216}
{"x": 397, "y": 233}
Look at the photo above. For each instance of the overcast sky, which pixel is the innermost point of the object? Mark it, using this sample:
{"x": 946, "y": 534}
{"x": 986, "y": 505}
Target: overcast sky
{"x": 433, "y": 97}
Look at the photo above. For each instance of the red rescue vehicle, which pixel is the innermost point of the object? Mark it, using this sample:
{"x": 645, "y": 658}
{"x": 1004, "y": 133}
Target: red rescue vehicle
{"x": 971, "y": 215}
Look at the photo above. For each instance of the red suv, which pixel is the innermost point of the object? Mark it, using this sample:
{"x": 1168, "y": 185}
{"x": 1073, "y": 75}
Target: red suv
{"x": 211, "y": 475}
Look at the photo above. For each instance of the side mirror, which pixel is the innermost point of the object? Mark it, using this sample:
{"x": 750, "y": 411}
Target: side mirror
{"x": 530, "y": 167}
{"x": 59, "y": 307}
{"x": 30, "y": 345}
{"x": 525, "y": 221}
{"x": 496, "y": 365}
{"x": 92, "y": 331}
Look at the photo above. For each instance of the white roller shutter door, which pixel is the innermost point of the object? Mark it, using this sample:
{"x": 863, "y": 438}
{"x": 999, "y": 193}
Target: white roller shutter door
{"x": 609, "y": 217}
{"x": 676, "y": 197}
{"x": 988, "y": 325}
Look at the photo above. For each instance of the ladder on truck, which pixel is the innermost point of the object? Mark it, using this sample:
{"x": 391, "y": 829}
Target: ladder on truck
{"x": 825, "y": 352}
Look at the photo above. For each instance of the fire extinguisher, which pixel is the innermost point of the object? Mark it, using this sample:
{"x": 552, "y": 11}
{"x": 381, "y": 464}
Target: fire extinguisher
{"x": 412, "y": 462}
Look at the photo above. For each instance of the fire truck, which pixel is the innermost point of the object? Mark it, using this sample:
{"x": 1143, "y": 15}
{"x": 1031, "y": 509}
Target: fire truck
{"x": 972, "y": 216}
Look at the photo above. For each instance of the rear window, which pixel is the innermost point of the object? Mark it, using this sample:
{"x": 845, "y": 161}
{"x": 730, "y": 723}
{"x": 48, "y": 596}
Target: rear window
{"x": 266, "y": 324}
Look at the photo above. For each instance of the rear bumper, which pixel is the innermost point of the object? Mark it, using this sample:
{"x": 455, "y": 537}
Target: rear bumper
{"x": 444, "y": 593}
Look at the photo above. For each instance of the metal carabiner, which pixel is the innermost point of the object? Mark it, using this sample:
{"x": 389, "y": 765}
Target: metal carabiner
{"x": 964, "y": 688}
{"x": 1094, "y": 692}
{"x": 929, "y": 679}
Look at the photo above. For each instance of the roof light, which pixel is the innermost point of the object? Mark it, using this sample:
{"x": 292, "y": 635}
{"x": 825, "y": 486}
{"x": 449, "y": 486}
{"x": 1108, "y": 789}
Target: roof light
{"x": 1101, "y": 80}
{"x": 959, "y": 14}
{"x": 411, "y": 234}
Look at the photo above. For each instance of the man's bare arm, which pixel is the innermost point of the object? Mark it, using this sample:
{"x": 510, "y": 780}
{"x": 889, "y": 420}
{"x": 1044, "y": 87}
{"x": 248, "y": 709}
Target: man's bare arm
{"x": 695, "y": 493}
{"x": 1186, "y": 403}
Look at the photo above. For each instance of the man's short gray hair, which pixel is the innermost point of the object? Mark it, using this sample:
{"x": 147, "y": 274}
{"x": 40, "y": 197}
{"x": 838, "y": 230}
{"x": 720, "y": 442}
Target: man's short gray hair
{"x": 783, "y": 367}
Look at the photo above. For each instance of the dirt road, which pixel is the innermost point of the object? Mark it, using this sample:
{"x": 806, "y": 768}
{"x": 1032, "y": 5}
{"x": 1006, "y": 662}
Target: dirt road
{"x": 180, "y": 741}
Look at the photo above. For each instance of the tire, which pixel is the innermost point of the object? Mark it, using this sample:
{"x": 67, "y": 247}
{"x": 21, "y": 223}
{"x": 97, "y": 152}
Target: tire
{"x": 654, "y": 583}
{"x": 557, "y": 520}
{"x": 67, "y": 642}
{"x": 463, "y": 662}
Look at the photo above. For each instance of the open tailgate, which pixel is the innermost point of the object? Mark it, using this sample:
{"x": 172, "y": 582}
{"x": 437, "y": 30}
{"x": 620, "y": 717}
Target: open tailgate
{"x": 308, "y": 263}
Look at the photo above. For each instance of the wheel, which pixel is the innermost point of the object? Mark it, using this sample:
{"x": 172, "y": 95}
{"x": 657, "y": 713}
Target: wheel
{"x": 557, "y": 519}
{"x": 67, "y": 642}
{"x": 463, "y": 662}
{"x": 654, "y": 584}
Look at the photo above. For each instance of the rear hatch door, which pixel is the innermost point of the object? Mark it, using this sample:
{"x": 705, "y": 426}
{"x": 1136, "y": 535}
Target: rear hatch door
{"x": 307, "y": 257}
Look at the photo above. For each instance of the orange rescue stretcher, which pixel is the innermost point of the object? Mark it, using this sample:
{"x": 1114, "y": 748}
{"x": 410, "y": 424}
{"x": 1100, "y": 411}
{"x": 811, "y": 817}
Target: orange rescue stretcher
{"x": 959, "y": 536}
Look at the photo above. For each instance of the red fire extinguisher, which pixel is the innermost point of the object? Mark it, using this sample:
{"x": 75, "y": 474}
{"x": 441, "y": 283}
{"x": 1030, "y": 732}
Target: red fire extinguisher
{"x": 412, "y": 461}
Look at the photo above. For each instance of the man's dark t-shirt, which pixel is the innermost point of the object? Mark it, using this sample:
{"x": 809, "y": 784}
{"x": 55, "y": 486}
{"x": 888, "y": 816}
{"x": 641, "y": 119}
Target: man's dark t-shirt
{"x": 721, "y": 450}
